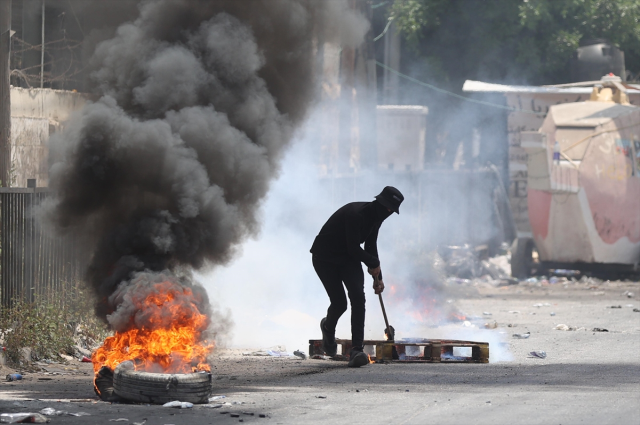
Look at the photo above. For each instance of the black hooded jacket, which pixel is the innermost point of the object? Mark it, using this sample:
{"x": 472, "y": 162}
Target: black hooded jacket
{"x": 340, "y": 238}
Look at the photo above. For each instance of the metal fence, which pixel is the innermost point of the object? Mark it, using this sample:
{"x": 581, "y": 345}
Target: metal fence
{"x": 33, "y": 263}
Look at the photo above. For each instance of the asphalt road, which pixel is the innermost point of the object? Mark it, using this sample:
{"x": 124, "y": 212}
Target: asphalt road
{"x": 587, "y": 377}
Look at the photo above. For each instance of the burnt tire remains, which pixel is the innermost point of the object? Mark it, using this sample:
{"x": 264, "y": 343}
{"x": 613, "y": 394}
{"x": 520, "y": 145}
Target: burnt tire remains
{"x": 160, "y": 388}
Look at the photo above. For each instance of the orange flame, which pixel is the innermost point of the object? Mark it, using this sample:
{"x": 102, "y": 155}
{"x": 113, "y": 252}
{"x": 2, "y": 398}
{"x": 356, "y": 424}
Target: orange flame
{"x": 171, "y": 344}
{"x": 457, "y": 316}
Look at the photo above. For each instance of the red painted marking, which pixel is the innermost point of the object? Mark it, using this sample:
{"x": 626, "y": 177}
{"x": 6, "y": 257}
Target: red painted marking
{"x": 539, "y": 203}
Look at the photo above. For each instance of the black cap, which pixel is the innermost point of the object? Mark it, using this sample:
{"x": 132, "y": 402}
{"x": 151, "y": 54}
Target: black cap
{"x": 391, "y": 198}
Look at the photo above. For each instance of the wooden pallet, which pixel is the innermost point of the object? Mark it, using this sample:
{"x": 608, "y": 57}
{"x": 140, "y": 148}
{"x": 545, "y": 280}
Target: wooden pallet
{"x": 413, "y": 351}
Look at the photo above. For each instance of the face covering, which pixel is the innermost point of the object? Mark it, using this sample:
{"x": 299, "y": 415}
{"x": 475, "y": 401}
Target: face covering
{"x": 381, "y": 211}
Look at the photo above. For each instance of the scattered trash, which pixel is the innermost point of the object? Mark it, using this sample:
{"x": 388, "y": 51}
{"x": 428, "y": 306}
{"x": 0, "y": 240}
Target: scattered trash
{"x": 180, "y": 404}
{"x": 491, "y": 325}
{"x": 66, "y": 357}
{"x": 541, "y": 305}
{"x": 14, "y": 377}
{"x": 564, "y": 272}
{"x": 512, "y": 325}
{"x": 119, "y": 420}
{"x": 636, "y": 310}
{"x": 144, "y": 421}
{"x": 514, "y": 311}
{"x": 213, "y": 406}
{"x": 275, "y": 351}
{"x": 321, "y": 396}
{"x": 217, "y": 397}
{"x": 552, "y": 314}
{"x": 467, "y": 324}
{"x": 262, "y": 415}
{"x": 300, "y": 354}
{"x": 23, "y": 418}
{"x": 522, "y": 336}
{"x": 539, "y": 354}
{"x": 237, "y": 402}
{"x": 50, "y": 411}
{"x": 615, "y": 306}
{"x": 600, "y": 330}
{"x": 85, "y": 359}
{"x": 486, "y": 313}
{"x": 234, "y": 415}
{"x": 320, "y": 357}
{"x": 629, "y": 294}
{"x": 563, "y": 327}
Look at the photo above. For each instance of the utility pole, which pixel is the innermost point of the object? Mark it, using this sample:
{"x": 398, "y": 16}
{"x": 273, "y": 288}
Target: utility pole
{"x": 5, "y": 99}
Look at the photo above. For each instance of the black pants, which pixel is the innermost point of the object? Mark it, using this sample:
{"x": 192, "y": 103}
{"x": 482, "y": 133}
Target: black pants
{"x": 332, "y": 276}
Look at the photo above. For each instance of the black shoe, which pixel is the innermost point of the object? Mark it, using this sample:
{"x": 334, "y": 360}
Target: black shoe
{"x": 358, "y": 358}
{"x": 329, "y": 345}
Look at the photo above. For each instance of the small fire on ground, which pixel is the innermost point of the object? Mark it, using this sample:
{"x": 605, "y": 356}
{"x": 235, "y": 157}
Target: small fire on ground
{"x": 170, "y": 340}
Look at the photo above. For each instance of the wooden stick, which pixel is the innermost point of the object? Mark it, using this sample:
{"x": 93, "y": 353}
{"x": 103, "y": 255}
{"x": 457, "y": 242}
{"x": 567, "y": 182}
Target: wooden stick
{"x": 384, "y": 312}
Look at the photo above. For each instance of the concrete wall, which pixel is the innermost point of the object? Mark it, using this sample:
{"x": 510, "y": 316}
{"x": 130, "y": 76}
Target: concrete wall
{"x": 401, "y": 137}
{"x": 35, "y": 115}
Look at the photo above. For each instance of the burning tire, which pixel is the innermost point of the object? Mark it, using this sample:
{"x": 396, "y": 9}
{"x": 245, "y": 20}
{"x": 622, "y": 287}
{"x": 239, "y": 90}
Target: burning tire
{"x": 159, "y": 388}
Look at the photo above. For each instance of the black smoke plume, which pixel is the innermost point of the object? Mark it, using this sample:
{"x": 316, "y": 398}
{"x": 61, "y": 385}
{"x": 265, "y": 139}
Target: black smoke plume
{"x": 198, "y": 101}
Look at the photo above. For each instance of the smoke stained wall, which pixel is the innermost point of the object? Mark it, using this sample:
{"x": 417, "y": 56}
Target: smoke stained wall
{"x": 197, "y": 104}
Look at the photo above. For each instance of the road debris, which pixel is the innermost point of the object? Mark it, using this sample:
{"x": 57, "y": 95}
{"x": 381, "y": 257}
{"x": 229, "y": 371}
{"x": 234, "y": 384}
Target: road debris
{"x": 14, "y": 377}
{"x": 300, "y": 354}
{"x": 21, "y": 418}
{"x": 538, "y": 354}
{"x": 629, "y": 294}
{"x": 50, "y": 411}
{"x": 491, "y": 325}
{"x": 522, "y": 336}
{"x": 600, "y": 330}
{"x": 615, "y": 306}
{"x": 178, "y": 404}
{"x": 563, "y": 327}
{"x": 119, "y": 420}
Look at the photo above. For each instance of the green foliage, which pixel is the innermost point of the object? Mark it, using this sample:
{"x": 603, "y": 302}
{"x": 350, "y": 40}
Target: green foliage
{"x": 529, "y": 40}
{"x": 50, "y": 326}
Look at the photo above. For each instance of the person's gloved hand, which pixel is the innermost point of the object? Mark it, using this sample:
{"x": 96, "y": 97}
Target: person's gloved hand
{"x": 378, "y": 286}
{"x": 374, "y": 272}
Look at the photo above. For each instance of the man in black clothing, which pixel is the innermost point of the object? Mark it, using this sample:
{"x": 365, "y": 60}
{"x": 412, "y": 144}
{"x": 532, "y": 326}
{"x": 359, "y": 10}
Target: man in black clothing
{"x": 337, "y": 255}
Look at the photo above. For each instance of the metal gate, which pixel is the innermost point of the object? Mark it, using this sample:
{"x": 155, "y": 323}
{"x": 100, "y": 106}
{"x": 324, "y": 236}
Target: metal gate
{"x": 33, "y": 262}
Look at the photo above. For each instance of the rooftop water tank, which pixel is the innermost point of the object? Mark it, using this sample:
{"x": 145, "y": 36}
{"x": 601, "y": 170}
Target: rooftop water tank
{"x": 595, "y": 58}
